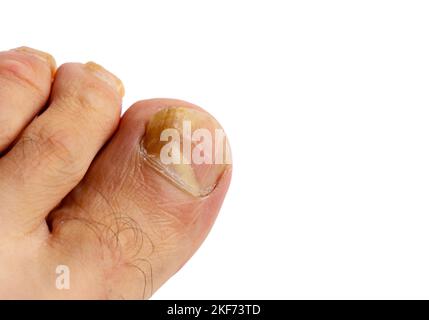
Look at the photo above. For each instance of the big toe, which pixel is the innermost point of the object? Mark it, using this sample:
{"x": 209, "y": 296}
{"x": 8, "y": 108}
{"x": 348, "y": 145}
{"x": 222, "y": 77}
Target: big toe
{"x": 149, "y": 198}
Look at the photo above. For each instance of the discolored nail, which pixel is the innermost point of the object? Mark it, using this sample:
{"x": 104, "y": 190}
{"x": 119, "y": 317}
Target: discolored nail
{"x": 45, "y": 57}
{"x": 107, "y": 77}
{"x": 188, "y": 147}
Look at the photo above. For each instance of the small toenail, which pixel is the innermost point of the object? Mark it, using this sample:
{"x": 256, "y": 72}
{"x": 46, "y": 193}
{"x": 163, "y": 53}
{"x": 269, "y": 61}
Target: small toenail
{"x": 45, "y": 57}
{"x": 188, "y": 147}
{"x": 107, "y": 77}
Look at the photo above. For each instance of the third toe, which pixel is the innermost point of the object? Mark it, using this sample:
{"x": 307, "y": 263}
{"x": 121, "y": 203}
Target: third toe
{"x": 25, "y": 85}
{"x": 55, "y": 150}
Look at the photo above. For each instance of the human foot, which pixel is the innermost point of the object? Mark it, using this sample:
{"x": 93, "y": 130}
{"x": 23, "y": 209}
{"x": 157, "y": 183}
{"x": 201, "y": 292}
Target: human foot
{"x": 91, "y": 196}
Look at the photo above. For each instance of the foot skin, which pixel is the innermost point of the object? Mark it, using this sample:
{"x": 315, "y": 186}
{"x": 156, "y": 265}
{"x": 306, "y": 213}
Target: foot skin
{"x": 95, "y": 206}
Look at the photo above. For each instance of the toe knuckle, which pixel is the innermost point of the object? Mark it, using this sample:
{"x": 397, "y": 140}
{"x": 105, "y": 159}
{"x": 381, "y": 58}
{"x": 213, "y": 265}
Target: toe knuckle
{"x": 16, "y": 70}
{"x": 77, "y": 91}
{"x": 96, "y": 99}
{"x": 91, "y": 100}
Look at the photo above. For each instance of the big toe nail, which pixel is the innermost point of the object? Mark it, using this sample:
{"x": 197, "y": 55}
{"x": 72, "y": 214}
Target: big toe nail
{"x": 188, "y": 147}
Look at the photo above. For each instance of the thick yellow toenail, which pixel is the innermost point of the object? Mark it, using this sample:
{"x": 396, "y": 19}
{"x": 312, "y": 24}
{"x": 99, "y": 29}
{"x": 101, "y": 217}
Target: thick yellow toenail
{"x": 45, "y": 57}
{"x": 188, "y": 147}
{"x": 107, "y": 77}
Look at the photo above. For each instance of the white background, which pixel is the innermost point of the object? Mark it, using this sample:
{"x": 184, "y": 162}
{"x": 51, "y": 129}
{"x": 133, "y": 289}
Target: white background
{"x": 326, "y": 104}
